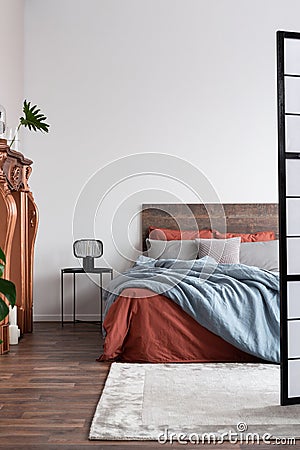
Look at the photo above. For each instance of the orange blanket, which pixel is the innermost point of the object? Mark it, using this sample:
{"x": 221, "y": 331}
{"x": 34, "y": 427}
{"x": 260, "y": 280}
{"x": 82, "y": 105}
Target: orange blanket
{"x": 142, "y": 326}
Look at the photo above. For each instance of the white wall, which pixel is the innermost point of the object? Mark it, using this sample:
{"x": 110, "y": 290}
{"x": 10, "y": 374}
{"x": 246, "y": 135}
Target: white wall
{"x": 12, "y": 58}
{"x": 194, "y": 79}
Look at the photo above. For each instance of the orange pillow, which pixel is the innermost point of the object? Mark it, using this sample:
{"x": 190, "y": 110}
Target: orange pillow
{"x": 256, "y": 237}
{"x": 166, "y": 234}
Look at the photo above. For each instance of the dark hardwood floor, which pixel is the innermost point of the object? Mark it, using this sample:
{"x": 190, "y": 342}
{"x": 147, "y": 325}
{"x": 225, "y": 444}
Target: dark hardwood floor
{"x": 49, "y": 388}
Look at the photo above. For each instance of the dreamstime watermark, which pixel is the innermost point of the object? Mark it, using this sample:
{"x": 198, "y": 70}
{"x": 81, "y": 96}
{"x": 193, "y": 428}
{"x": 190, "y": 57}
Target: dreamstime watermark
{"x": 240, "y": 436}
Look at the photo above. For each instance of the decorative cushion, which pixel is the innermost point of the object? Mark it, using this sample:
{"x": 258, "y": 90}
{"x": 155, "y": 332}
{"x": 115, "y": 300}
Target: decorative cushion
{"x": 187, "y": 249}
{"x": 256, "y": 237}
{"x": 224, "y": 251}
{"x": 264, "y": 255}
{"x": 167, "y": 234}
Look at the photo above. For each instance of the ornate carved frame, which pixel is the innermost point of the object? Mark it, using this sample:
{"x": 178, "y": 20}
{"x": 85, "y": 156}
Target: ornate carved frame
{"x": 18, "y": 227}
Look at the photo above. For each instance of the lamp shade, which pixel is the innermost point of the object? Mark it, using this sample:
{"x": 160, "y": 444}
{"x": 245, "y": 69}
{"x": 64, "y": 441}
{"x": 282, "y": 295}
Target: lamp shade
{"x": 91, "y": 248}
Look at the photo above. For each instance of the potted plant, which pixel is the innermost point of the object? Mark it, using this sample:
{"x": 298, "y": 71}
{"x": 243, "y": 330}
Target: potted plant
{"x": 7, "y": 289}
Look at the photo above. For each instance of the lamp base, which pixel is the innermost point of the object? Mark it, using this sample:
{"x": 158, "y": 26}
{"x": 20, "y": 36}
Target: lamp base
{"x": 88, "y": 264}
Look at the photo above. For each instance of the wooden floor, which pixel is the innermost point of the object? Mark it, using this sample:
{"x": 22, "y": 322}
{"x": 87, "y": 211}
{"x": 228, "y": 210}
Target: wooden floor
{"x": 50, "y": 385}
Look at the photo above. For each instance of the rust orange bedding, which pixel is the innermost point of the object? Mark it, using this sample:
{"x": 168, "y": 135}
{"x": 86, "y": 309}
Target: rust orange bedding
{"x": 142, "y": 326}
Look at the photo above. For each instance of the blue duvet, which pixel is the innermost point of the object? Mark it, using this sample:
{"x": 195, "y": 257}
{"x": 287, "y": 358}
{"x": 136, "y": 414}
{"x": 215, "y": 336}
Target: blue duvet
{"x": 234, "y": 301}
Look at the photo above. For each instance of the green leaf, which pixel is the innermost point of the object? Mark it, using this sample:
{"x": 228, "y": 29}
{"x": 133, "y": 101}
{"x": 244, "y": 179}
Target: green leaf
{"x": 33, "y": 119}
{"x": 3, "y": 310}
{"x": 8, "y": 289}
{"x": 2, "y": 256}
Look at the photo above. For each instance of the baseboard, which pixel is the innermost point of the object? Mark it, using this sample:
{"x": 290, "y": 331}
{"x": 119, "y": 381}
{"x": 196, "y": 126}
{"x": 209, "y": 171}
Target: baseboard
{"x": 67, "y": 317}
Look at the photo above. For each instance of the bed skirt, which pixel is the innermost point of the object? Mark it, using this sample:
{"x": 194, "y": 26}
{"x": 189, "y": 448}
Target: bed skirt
{"x": 142, "y": 326}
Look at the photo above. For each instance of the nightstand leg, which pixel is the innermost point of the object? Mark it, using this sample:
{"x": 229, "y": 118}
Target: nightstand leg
{"x": 74, "y": 296}
{"x": 101, "y": 300}
{"x": 62, "y": 297}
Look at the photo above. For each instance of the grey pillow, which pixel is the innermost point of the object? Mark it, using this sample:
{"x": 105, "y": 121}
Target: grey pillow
{"x": 264, "y": 255}
{"x": 186, "y": 250}
{"x": 224, "y": 251}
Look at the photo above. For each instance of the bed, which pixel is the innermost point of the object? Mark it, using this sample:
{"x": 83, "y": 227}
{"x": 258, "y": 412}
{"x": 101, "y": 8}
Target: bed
{"x": 146, "y": 325}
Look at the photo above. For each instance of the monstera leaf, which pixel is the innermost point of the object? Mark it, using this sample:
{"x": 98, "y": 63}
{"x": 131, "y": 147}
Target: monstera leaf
{"x": 33, "y": 119}
{"x": 7, "y": 290}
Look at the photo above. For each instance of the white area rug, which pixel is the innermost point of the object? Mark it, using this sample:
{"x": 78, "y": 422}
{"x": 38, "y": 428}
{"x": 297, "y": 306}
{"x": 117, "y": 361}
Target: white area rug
{"x": 148, "y": 401}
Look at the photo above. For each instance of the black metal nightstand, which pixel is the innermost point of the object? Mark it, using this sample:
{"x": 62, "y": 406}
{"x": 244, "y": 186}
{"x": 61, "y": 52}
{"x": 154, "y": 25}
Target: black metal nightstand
{"x": 74, "y": 271}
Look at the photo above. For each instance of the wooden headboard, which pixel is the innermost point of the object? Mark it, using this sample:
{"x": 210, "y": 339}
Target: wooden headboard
{"x": 239, "y": 217}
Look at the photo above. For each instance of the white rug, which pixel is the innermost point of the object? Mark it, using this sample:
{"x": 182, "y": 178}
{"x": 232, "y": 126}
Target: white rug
{"x": 151, "y": 401}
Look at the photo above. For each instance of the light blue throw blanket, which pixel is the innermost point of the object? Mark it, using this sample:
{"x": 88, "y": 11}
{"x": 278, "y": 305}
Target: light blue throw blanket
{"x": 237, "y": 302}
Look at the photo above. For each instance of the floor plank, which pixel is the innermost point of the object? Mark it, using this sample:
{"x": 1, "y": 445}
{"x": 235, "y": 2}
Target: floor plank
{"x": 50, "y": 385}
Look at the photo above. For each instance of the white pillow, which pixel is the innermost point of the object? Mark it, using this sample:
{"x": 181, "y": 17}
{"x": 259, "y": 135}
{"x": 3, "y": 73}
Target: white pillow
{"x": 224, "y": 251}
{"x": 186, "y": 250}
{"x": 264, "y": 255}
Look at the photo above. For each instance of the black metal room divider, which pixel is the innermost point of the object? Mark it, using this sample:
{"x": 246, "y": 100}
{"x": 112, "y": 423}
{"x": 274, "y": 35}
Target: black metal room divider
{"x": 288, "y": 79}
